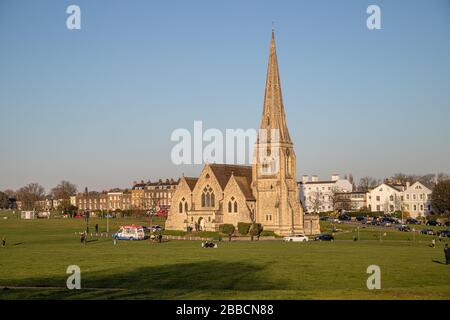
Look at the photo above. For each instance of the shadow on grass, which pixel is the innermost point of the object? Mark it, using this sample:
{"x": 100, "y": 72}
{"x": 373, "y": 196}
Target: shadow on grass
{"x": 439, "y": 262}
{"x": 175, "y": 281}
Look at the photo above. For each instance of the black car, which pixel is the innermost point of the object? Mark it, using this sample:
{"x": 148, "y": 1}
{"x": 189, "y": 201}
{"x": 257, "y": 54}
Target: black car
{"x": 324, "y": 237}
{"x": 344, "y": 217}
{"x": 427, "y": 231}
{"x": 432, "y": 223}
{"x": 324, "y": 218}
{"x": 360, "y": 218}
{"x": 443, "y": 233}
{"x": 412, "y": 221}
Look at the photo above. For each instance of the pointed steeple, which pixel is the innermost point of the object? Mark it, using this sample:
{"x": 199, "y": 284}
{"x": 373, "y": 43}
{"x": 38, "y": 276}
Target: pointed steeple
{"x": 273, "y": 116}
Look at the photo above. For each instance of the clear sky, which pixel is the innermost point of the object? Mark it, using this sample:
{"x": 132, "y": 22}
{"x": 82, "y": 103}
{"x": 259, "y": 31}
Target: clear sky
{"x": 97, "y": 106}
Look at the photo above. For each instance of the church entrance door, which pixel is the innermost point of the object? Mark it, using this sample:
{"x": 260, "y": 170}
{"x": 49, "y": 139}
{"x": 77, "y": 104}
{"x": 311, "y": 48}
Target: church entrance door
{"x": 201, "y": 224}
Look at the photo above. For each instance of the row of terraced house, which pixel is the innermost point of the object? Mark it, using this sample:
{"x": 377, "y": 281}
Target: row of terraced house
{"x": 141, "y": 196}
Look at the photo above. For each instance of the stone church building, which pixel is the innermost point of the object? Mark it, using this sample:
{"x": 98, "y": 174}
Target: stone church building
{"x": 265, "y": 192}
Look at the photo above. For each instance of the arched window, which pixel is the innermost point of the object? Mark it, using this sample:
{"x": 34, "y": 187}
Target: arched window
{"x": 185, "y": 207}
{"x": 180, "y": 209}
{"x": 232, "y": 205}
{"x": 273, "y": 166}
{"x": 288, "y": 163}
{"x": 208, "y": 197}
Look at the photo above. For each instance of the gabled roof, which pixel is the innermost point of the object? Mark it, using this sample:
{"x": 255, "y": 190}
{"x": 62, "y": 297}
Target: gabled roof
{"x": 191, "y": 182}
{"x": 244, "y": 185}
{"x": 223, "y": 172}
{"x": 422, "y": 184}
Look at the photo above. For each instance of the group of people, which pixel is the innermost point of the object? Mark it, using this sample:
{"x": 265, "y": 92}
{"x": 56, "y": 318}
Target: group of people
{"x": 209, "y": 244}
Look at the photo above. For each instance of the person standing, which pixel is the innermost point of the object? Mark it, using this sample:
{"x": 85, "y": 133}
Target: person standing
{"x": 433, "y": 243}
{"x": 96, "y": 228}
{"x": 4, "y": 242}
{"x": 447, "y": 254}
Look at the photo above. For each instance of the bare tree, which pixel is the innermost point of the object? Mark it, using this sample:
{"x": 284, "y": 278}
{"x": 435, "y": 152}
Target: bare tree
{"x": 440, "y": 177}
{"x": 30, "y": 195}
{"x": 10, "y": 193}
{"x": 316, "y": 201}
{"x": 335, "y": 197}
{"x": 352, "y": 181}
{"x": 64, "y": 190}
{"x": 366, "y": 183}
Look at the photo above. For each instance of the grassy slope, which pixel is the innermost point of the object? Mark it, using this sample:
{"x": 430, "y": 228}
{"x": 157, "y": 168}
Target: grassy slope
{"x": 39, "y": 252}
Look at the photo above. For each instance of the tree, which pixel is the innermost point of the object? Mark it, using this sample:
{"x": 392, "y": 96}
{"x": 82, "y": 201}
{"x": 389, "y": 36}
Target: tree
{"x": 440, "y": 197}
{"x": 227, "y": 229}
{"x": 10, "y": 193}
{"x": 352, "y": 181}
{"x": 335, "y": 197}
{"x": 366, "y": 183}
{"x": 255, "y": 230}
{"x": 30, "y": 195}
{"x": 316, "y": 201}
{"x": 442, "y": 177}
{"x": 4, "y": 200}
{"x": 244, "y": 228}
{"x": 64, "y": 190}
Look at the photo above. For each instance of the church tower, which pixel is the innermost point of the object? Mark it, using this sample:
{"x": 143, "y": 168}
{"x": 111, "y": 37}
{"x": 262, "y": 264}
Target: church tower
{"x": 274, "y": 183}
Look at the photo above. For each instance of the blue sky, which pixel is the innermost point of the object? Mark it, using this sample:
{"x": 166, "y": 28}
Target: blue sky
{"x": 97, "y": 106}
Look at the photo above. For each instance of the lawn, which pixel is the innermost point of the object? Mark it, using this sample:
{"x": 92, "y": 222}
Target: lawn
{"x": 38, "y": 252}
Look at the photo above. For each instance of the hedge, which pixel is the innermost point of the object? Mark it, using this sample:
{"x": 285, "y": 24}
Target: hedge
{"x": 244, "y": 228}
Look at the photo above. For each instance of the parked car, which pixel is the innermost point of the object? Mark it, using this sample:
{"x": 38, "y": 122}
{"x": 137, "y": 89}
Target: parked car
{"x": 155, "y": 228}
{"x": 324, "y": 218}
{"x": 334, "y": 220}
{"x": 296, "y": 238}
{"x": 360, "y": 218}
{"x": 386, "y": 224}
{"x": 324, "y": 237}
{"x": 432, "y": 223}
{"x": 344, "y": 217}
{"x": 375, "y": 222}
{"x": 443, "y": 233}
{"x": 412, "y": 221}
{"x": 427, "y": 231}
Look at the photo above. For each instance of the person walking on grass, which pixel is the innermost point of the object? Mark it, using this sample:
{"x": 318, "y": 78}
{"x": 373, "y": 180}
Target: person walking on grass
{"x": 4, "y": 242}
{"x": 447, "y": 254}
{"x": 433, "y": 243}
{"x": 96, "y": 228}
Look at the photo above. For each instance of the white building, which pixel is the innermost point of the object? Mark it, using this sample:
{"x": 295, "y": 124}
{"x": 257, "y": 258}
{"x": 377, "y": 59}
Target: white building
{"x": 386, "y": 198}
{"x": 417, "y": 199}
{"x": 317, "y": 196}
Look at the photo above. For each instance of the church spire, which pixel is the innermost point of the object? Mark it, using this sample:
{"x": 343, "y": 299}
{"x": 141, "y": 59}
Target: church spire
{"x": 273, "y": 113}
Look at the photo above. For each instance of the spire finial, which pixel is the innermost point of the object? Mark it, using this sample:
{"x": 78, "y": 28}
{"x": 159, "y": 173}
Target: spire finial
{"x": 273, "y": 26}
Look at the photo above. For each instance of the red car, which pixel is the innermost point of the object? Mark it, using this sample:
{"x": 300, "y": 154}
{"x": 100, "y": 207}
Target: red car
{"x": 162, "y": 213}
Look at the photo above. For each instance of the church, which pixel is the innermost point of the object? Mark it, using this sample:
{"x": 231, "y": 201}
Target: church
{"x": 265, "y": 192}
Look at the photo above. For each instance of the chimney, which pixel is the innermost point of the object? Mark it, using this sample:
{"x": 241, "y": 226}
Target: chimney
{"x": 334, "y": 177}
{"x": 305, "y": 178}
{"x": 314, "y": 178}
{"x": 407, "y": 184}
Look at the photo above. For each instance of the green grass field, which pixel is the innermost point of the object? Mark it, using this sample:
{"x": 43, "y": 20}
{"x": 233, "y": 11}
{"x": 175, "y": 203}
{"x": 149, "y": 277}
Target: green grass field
{"x": 38, "y": 252}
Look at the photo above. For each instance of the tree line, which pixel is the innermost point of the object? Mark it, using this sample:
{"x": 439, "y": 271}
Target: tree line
{"x": 32, "y": 193}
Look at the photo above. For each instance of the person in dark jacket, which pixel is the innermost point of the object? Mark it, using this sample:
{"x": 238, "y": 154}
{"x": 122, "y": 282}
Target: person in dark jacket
{"x": 4, "y": 242}
{"x": 447, "y": 254}
{"x": 96, "y": 228}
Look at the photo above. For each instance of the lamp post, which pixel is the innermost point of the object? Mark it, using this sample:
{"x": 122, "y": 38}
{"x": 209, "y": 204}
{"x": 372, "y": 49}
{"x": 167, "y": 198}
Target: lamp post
{"x": 86, "y": 212}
